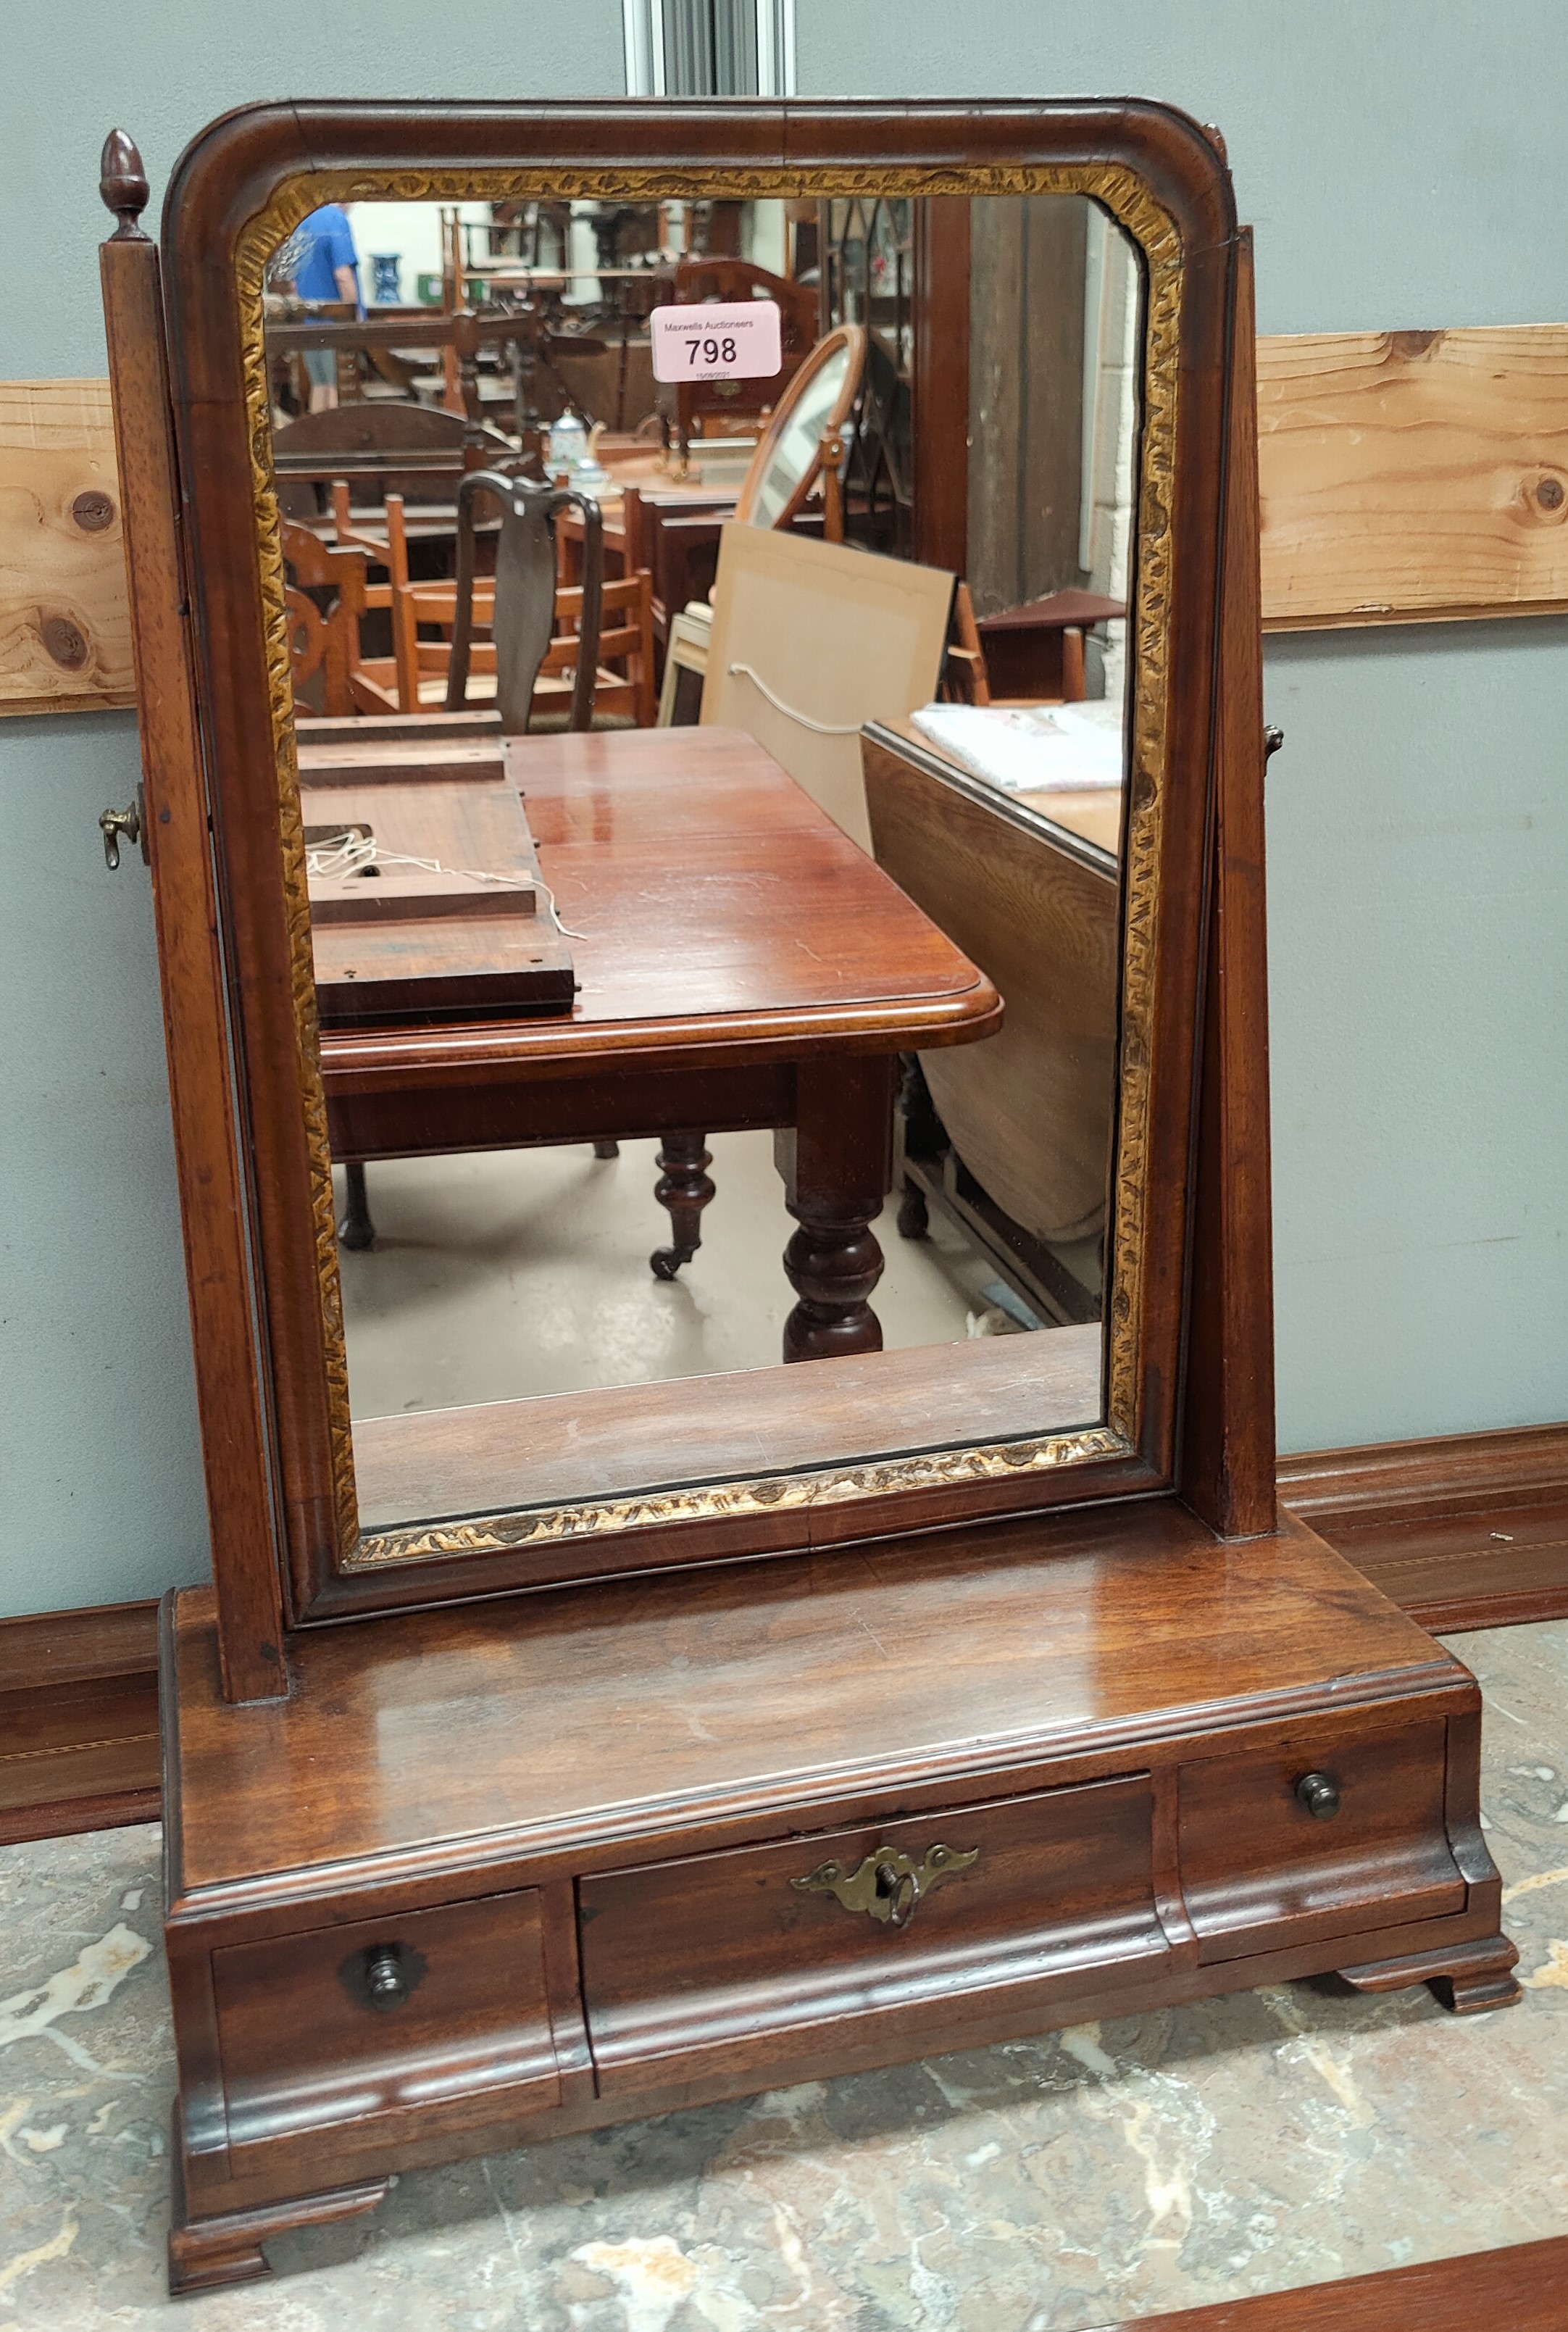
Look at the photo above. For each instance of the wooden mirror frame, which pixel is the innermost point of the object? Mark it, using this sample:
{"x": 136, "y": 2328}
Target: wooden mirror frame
{"x": 266, "y": 1321}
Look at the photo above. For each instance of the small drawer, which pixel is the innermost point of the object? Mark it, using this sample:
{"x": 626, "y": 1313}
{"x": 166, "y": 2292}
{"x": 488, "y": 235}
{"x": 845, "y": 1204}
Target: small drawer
{"x": 1261, "y": 1870}
{"x": 348, "y": 2033}
{"x": 693, "y": 1966}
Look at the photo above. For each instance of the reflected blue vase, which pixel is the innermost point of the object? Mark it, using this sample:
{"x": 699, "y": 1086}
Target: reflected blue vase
{"x": 384, "y": 286}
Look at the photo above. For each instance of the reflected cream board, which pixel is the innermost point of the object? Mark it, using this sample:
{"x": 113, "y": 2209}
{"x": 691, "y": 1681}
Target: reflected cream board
{"x": 683, "y": 878}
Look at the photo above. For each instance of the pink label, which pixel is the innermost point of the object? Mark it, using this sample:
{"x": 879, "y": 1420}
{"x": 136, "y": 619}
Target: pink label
{"x": 716, "y": 339}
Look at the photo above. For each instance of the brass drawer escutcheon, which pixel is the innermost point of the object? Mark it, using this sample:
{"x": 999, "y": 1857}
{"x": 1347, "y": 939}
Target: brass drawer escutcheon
{"x": 889, "y": 1885}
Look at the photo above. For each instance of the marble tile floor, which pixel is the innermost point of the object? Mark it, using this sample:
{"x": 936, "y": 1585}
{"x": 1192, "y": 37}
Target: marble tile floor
{"x": 1270, "y": 2139}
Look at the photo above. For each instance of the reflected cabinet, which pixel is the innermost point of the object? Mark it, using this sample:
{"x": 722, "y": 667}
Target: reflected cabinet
{"x": 700, "y": 698}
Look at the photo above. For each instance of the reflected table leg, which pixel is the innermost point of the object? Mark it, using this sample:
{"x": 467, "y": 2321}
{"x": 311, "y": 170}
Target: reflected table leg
{"x": 837, "y": 1160}
{"x": 356, "y": 1230}
{"x": 684, "y": 1189}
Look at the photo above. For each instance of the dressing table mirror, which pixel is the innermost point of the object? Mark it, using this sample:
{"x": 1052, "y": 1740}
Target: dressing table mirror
{"x": 729, "y": 1262}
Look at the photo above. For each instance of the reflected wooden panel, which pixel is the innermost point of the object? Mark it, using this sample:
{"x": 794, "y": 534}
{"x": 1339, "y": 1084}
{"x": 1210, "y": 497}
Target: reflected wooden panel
{"x": 755, "y": 1421}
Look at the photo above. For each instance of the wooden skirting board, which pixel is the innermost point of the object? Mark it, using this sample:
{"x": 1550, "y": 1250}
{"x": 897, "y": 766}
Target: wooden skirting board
{"x": 1522, "y": 2288}
{"x": 1407, "y": 477}
{"x": 78, "y": 1721}
{"x": 1470, "y": 1531}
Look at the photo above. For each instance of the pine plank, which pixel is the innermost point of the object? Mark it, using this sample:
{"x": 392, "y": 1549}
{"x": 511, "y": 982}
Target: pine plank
{"x": 61, "y": 583}
{"x": 1412, "y": 476}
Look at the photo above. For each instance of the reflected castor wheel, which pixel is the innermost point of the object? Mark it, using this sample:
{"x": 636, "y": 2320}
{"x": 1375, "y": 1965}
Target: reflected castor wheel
{"x": 913, "y": 1215}
{"x": 683, "y": 1189}
{"x": 665, "y": 1261}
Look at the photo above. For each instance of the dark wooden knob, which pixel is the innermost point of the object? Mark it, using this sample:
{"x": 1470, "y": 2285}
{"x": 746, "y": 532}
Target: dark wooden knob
{"x": 122, "y": 183}
{"x": 385, "y": 1978}
{"x": 1319, "y": 1793}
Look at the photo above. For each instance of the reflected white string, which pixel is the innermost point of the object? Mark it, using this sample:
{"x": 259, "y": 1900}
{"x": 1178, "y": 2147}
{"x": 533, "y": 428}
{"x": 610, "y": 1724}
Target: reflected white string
{"x": 790, "y": 712}
{"x": 352, "y": 853}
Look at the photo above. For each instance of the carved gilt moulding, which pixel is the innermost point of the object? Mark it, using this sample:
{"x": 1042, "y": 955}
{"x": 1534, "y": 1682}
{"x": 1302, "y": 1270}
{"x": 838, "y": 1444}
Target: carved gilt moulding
{"x": 1135, "y": 208}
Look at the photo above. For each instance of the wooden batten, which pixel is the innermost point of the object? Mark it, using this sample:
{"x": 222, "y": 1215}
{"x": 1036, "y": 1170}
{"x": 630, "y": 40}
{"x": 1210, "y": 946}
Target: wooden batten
{"x": 1407, "y": 477}
{"x": 1410, "y": 476}
{"x": 64, "y": 620}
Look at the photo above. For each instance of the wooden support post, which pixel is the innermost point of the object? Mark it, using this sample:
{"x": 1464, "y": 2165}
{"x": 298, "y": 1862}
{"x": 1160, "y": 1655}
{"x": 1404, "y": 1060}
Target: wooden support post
{"x": 1227, "y": 1457}
{"x": 235, "y": 1442}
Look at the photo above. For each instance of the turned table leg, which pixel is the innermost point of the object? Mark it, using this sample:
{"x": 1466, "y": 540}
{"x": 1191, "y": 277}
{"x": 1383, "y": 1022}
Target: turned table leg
{"x": 356, "y": 1230}
{"x": 685, "y": 1189}
{"x": 836, "y": 1162}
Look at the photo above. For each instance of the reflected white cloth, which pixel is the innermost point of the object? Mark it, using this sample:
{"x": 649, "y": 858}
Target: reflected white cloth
{"x": 1027, "y": 749}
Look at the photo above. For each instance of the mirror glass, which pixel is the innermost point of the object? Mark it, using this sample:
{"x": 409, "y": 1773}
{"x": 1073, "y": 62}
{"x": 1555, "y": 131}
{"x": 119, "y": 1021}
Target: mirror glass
{"x": 678, "y": 1132}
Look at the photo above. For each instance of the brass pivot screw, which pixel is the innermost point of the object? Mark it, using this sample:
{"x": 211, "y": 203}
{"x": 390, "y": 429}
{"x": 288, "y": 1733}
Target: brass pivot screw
{"x": 113, "y": 824}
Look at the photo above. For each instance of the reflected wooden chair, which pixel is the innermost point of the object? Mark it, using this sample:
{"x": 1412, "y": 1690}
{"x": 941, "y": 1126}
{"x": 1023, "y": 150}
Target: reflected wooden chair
{"x": 552, "y": 661}
{"x": 323, "y": 642}
{"x": 522, "y": 596}
{"x": 964, "y": 680}
{"x": 623, "y": 685}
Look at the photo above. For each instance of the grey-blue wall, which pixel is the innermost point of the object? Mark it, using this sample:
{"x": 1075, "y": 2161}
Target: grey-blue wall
{"x": 1417, "y": 830}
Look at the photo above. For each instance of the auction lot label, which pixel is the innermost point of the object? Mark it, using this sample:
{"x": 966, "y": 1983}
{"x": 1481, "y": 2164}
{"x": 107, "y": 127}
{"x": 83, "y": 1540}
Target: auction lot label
{"x": 716, "y": 339}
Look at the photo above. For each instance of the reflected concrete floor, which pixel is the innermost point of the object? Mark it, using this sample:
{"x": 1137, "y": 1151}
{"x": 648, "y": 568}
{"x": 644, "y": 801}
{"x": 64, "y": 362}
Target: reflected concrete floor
{"x": 516, "y": 1272}
{"x": 1275, "y": 2138}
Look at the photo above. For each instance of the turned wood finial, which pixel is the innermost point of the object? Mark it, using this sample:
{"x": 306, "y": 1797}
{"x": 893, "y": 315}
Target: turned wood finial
{"x": 122, "y": 183}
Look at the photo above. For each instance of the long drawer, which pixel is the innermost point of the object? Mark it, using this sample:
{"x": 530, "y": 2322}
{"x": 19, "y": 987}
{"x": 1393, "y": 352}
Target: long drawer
{"x": 705, "y": 1961}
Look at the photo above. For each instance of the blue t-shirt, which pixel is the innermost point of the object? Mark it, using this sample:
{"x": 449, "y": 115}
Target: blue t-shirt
{"x": 318, "y": 247}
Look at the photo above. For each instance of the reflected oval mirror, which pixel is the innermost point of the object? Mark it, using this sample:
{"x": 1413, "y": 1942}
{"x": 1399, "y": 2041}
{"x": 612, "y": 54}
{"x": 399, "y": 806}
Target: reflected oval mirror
{"x": 816, "y": 401}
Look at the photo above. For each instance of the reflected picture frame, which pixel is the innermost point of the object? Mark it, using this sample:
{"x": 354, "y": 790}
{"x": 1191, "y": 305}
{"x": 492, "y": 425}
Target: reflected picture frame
{"x": 235, "y": 195}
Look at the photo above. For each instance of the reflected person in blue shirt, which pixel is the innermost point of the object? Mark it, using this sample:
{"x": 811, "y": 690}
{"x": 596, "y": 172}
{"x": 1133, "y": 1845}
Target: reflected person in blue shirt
{"x": 321, "y": 260}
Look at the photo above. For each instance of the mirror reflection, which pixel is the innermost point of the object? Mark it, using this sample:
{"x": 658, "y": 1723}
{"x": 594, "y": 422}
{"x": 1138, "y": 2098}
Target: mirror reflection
{"x": 709, "y": 634}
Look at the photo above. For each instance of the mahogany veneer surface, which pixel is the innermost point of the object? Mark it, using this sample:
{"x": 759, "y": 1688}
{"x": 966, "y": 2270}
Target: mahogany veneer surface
{"x": 575, "y": 1722}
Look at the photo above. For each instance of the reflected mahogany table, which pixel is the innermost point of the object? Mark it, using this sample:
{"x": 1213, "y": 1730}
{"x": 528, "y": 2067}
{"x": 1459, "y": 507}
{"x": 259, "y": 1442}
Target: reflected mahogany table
{"x": 740, "y": 964}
